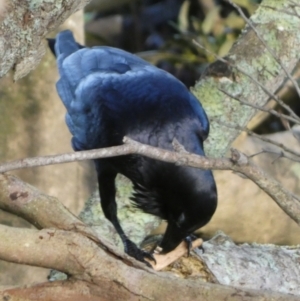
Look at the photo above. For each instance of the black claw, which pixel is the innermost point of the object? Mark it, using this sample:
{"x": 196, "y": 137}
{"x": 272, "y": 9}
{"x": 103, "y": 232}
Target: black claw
{"x": 149, "y": 256}
{"x": 189, "y": 241}
{"x": 147, "y": 264}
{"x": 201, "y": 248}
{"x": 132, "y": 250}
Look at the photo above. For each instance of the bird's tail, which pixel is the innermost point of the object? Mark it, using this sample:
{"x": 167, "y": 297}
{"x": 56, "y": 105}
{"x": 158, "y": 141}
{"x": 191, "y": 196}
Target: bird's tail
{"x": 64, "y": 44}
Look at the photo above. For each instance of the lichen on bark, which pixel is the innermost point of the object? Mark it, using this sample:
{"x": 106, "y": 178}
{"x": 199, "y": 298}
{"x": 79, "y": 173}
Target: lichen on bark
{"x": 23, "y": 27}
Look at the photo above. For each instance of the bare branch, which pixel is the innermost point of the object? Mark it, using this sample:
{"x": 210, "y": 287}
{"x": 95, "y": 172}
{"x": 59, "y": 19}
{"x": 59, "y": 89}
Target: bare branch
{"x": 269, "y": 93}
{"x": 24, "y": 200}
{"x": 32, "y": 246}
{"x": 265, "y": 139}
{"x": 289, "y": 203}
{"x": 273, "y": 112}
{"x": 280, "y": 154}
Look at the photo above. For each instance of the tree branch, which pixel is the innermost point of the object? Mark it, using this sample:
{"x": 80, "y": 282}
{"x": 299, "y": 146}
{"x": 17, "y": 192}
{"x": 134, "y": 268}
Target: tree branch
{"x": 106, "y": 277}
{"x": 293, "y": 116}
{"x": 259, "y": 108}
{"x": 44, "y": 211}
{"x": 289, "y": 203}
{"x": 275, "y": 143}
{"x": 31, "y": 247}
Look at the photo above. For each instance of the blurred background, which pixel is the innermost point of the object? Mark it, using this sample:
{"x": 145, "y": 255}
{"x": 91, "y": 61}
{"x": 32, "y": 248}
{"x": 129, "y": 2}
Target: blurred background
{"x": 164, "y": 33}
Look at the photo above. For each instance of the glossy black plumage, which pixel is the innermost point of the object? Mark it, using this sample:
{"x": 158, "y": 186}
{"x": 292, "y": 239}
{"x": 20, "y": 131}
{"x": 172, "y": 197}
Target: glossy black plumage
{"x": 109, "y": 94}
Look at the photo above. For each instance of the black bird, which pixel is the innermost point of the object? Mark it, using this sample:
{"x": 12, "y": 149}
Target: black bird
{"x": 110, "y": 93}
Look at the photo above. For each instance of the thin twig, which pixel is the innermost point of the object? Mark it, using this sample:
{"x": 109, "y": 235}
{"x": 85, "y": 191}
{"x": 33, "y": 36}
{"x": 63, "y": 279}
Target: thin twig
{"x": 294, "y": 5}
{"x": 265, "y": 139}
{"x": 295, "y": 14}
{"x": 284, "y": 198}
{"x": 270, "y": 94}
{"x": 279, "y": 154}
{"x": 262, "y": 138}
{"x": 66, "y": 158}
{"x": 273, "y": 112}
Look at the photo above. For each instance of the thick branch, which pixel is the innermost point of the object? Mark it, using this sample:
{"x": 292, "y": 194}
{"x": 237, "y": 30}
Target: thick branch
{"x": 32, "y": 247}
{"x": 268, "y": 267}
{"x": 44, "y": 211}
{"x": 104, "y": 276}
{"x": 77, "y": 290}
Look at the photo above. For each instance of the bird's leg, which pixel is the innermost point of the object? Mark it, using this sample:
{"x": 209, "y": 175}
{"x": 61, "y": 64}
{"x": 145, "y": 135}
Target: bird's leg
{"x": 172, "y": 237}
{"x": 107, "y": 191}
{"x": 189, "y": 242}
{"x": 174, "y": 245}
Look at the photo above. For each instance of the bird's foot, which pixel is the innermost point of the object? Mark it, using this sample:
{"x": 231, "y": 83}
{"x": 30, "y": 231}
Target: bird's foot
{"x": 189, "y": 241}
{"x": 132, "y": 250}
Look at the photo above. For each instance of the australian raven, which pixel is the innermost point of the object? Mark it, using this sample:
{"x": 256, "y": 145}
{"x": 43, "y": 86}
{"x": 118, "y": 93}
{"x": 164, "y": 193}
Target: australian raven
{"x": 110, "y": 93}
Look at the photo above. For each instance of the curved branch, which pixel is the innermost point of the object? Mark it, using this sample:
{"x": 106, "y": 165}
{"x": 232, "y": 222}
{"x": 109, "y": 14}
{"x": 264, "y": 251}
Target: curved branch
{"x": 31, "y": 247}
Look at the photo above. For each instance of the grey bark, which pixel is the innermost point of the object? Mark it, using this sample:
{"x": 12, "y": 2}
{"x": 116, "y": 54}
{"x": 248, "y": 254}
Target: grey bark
{"x": 262, "y": 267}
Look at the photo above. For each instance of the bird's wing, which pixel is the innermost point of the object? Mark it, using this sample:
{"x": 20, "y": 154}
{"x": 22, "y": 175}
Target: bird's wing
{"x": 94, "y": 82}
{"x": 105, "y": 89}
